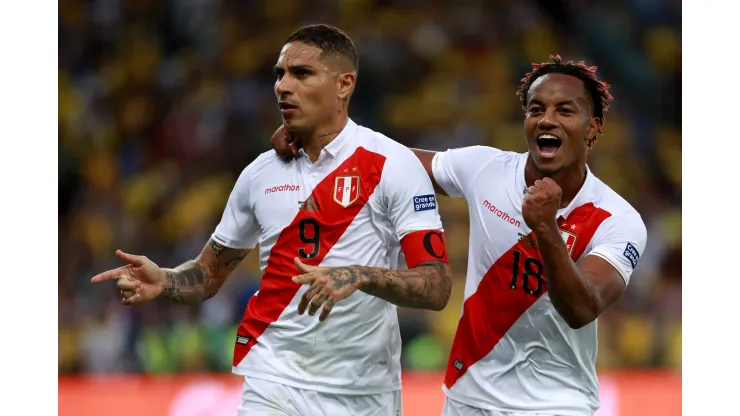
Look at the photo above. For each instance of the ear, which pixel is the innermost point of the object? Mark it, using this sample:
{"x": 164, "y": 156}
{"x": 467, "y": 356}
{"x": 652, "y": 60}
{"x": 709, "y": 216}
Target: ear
{"x": 346, "y": 83}
{"x": 594, "y": 128}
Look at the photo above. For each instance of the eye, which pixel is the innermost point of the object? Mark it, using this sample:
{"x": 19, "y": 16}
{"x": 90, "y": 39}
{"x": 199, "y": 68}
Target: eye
{"x": 566, "y": 110}
{"x": 534, "y": 110}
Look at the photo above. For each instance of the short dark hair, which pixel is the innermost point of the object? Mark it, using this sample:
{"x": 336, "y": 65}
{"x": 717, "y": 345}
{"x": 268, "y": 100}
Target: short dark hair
{"x": 331, "y": 40}
{"x": 598, "y": 90}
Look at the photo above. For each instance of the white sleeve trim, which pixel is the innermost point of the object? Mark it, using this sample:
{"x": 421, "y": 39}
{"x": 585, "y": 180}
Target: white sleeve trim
{"x": 619, "y": 269}
{"x": 229, "y": 243}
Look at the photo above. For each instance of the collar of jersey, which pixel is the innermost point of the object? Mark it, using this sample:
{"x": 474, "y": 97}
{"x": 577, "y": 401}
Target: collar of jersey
{"x": 339, "y": 142}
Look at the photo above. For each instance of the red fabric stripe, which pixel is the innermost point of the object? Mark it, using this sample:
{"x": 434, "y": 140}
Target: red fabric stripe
{"x": 277, "y": 289}
{"x": 495, "y": 307}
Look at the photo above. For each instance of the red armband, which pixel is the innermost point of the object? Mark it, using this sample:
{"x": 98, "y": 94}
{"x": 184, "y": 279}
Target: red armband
{"x": 426, "y": 245}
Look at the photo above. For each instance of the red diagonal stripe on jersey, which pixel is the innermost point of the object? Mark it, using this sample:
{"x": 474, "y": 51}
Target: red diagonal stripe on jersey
{"x": 494, "y": 307}
{"x": 277, "y": 289}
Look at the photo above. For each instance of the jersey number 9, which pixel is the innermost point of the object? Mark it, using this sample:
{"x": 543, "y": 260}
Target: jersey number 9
{"x": 314, "y": 238}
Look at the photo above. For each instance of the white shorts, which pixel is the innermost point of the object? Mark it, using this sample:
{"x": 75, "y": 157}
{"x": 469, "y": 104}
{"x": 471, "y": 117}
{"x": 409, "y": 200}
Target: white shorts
{"x": 267, "y": 398}
{"x": 455, "y": 408}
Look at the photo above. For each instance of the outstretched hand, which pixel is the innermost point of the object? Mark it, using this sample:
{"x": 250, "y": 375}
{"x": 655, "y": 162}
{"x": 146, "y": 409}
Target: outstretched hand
{"x": 328, "y": 285}
{"x": 139, "y": 280}
{"x": 284, "y": 144}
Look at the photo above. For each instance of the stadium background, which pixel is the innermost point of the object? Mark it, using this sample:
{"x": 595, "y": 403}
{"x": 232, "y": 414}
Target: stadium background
{"x": 161, "y": 104}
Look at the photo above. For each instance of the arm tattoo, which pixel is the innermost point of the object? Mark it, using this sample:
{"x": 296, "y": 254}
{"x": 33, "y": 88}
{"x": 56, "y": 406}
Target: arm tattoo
{"x": 200, "y": 279}
{"x": 426, "y": 286}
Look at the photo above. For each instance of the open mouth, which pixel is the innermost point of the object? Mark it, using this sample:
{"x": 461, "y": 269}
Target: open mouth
{"x": 286, "y": 106}
{"x": 549, "y": 144}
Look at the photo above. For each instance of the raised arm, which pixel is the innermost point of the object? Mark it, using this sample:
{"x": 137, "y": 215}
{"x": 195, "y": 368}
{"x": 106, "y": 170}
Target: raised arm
{"x": 581, "y": 292}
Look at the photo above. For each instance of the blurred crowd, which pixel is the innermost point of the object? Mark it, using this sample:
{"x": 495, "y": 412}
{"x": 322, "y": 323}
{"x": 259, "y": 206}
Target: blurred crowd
{"x": 162, "y": 104}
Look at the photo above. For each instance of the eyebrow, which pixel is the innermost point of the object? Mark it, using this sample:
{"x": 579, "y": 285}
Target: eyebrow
{"x": 294, "y": 68}
{"x": 565, "y": 102}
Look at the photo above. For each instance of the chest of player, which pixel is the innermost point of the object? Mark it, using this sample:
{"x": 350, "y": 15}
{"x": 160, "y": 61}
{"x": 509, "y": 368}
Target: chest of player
{"x": 317, "y": 203}
{"x": 499, "y": 233}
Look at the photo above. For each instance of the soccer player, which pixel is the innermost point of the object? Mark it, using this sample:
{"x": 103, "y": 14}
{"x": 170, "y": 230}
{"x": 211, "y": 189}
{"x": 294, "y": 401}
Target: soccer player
{"x": 551, "y": 247}
{"x": 331, "y": 225}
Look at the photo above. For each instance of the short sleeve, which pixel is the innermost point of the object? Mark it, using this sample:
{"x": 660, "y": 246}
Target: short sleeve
{"x": 409, "y": 195}
{"x": 238, "y": 227}
{"x": 455, "y": 169}
{"x": 621, "y": 240}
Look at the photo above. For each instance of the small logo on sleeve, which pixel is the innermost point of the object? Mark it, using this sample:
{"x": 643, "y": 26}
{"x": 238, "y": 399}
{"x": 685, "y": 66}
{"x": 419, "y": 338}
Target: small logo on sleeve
{"x": 632, "y": 255}
{"x": 424, "y": 202}
{"x": 458, "y": 364}
{"x": 242, "y": 340}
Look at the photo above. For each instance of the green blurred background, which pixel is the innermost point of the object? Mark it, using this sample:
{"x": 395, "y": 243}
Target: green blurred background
{"x": 162, "y": 104}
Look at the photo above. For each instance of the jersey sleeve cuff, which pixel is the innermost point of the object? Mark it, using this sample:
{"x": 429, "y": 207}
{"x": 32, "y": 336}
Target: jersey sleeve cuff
{"x": 625, "y": 276}
{"x": 227, "y": 242}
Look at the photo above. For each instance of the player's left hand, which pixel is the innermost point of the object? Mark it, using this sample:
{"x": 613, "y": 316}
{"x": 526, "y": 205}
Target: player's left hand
{"x": 541, "y": 203}
{"x": 328, "y": 285}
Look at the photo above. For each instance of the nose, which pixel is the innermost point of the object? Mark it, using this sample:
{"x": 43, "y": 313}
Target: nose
{"x": 283, "y": 87}
{"x": 547, "y": 121}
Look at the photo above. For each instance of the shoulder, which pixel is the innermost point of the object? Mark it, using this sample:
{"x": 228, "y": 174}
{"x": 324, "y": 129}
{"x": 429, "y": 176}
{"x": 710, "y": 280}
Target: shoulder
{"x": 623, "y": 217}
{"x": 265, "y": 167}
{"x": 377, "y": 142}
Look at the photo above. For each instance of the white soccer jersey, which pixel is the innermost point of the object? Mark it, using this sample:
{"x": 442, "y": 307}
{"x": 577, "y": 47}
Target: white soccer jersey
{"x": 353, "y": 206}
{"x": 512, "y": 350}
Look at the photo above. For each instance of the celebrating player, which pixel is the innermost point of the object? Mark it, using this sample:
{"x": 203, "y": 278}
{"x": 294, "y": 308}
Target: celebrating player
{"x": 331, "y": 225}
{"x": 551, "y": 247}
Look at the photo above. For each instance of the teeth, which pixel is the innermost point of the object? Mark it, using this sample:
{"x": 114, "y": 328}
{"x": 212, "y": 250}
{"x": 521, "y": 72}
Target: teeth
{"x": 547, "y": 136}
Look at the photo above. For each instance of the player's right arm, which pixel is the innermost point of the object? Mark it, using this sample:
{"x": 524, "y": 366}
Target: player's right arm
{"x": 199, "y": 279}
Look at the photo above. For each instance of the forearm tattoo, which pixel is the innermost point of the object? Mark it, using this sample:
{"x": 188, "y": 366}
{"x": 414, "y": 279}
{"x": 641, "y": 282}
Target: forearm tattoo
{"x": 426, "y": 286}
{"x": 200, "y": 279}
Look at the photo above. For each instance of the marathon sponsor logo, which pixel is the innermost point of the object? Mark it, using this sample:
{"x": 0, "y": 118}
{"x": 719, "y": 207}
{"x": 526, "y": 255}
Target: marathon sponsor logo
{"x": 501, "y": 214}
{"x": 283, "y": 188}
{"x": 424, "y": 202}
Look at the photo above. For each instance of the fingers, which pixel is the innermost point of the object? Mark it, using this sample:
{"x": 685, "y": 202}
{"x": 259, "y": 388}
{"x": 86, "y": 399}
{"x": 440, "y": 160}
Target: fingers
{"x": 303, "y": 268}
{"x": 132, "y": 300}
{"x": 124, "y": 283}
{"x": 109, "y": 275}
{"x": 294, "y": 149}
{"x": 130, "y": 258}
{"x": 327, "y": 308}
{"x": 306, "y": 298}
{"x": 319, "y": 300}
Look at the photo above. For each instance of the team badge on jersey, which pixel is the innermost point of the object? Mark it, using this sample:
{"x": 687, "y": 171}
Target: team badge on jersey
{"x": 346, "y": 190}
{"x": 569, "y": 239}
